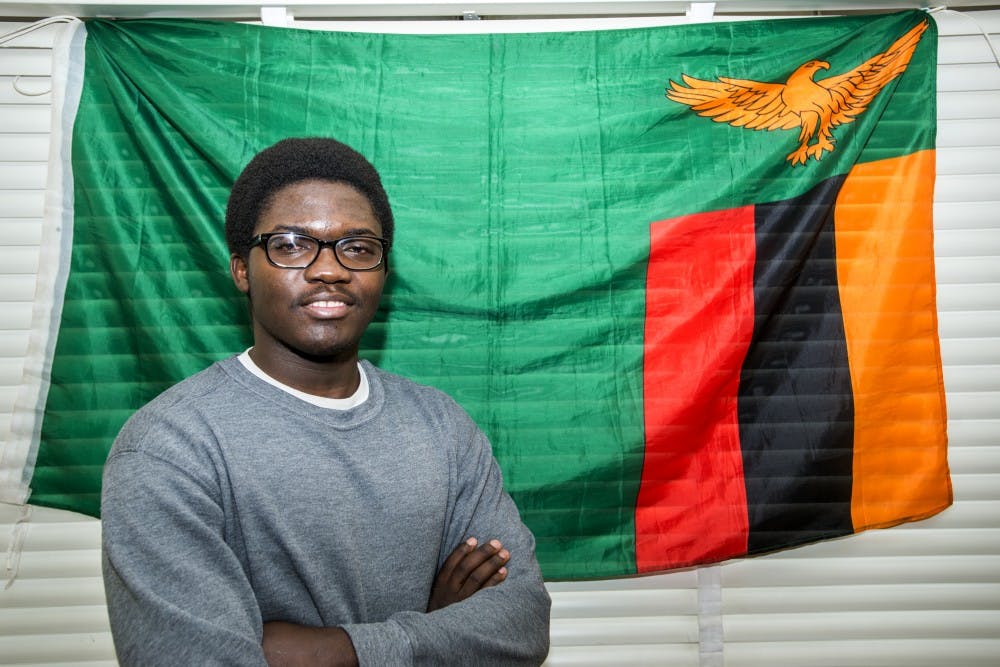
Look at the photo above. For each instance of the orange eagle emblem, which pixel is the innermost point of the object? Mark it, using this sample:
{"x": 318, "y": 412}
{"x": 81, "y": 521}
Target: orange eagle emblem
{"x": 815, "y": 107}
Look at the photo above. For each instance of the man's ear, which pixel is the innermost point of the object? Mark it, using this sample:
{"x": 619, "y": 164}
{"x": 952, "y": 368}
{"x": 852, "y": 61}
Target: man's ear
{"x": 238, "y": 269}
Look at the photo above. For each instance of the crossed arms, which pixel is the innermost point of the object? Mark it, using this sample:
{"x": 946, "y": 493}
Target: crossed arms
{"x": 468, "y": 569}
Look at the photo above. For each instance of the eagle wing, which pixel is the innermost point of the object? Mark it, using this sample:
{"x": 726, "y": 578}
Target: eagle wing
{"x": 739, "y": 102}
{"x": 853, "y": 91}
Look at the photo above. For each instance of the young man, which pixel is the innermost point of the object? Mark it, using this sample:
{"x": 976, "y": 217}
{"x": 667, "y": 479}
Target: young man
{"x": 294, "y": 506}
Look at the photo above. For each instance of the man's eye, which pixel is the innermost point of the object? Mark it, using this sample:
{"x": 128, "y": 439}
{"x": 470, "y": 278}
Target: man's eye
{"x": 359, "y": 249}
{"x": 289, "y": 245}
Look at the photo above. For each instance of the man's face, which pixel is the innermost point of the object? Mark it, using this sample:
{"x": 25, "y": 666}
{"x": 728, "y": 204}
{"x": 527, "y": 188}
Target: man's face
{"x": 321, "y": 311}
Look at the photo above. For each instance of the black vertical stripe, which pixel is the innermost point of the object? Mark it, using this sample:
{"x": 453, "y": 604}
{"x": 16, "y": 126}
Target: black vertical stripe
{"x": 796, "y": 409}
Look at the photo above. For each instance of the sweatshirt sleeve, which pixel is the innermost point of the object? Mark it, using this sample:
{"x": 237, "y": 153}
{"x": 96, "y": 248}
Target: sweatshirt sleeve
{"x": 507, "y": 624}
{"x": 176, "y": 592}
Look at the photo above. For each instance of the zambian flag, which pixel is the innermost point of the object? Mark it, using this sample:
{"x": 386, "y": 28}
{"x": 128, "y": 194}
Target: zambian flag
{"x": 682, "y": 277}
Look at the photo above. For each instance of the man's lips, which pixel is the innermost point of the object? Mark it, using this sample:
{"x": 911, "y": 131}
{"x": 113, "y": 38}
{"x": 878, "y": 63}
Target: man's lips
{"x": 327, "y": 305}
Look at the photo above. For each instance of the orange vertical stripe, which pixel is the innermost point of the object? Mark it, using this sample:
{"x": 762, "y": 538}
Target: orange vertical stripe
{"x": 885, "y": 266}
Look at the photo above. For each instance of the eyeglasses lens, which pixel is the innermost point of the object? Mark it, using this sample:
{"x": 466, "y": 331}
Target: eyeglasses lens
{"x": 297, "y": 251}
{"x": 359, "y": 253}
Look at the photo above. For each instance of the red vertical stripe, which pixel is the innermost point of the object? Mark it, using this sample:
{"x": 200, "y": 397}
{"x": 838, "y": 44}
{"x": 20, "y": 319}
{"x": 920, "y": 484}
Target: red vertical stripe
{"x": 699, "y": 319}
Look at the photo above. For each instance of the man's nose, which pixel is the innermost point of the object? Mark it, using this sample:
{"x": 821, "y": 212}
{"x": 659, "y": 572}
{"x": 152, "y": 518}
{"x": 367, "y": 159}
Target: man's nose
{"x": 326, "y": 268}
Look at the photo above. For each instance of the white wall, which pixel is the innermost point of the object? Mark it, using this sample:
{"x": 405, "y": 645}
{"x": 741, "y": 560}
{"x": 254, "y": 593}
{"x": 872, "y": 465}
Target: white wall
{"x": 922, "y": 594}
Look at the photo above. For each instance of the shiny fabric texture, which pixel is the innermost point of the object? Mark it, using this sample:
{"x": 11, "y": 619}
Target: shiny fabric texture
{"x": 524, "y": 170}
{"x": 802, "y": 396}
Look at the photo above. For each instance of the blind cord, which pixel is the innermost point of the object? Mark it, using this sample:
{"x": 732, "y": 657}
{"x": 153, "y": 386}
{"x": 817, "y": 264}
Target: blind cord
{"x": 21, "y": 32}
{"x": 982, "y": 29}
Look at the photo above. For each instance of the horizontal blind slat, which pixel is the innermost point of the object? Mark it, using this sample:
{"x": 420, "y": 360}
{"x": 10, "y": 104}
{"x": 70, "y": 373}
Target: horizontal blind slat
{"x": 828, "y": 625}
{"x": 25, "y": 118}
{"x": 40, "y": 37}
{"x": 972, "y": 405}
{"x": 33, "y": 90}
{"x": 966, "y": 349}
{"x": 24, "y": 147}
{"x": 968, "y": 104}
{"x": 963, "y": 49}
{"x": 873, "y": 597}
{"x": 633, "y": 630}
{"x": 15, "y": 260}
{"x": 975, "y": 460}
{"x": 806, "y": 566}
{"x": 584, "y": 604}
{"x": 41, "y": 647}
{"x": 962, "y": 215}
{"x": 967, "y": 187}
{"x": 13, "y": 344}
{"x": 17, "y": 316}
{"x": 24, "y": 175}
{"x": 968, "y": 76}
{"x": 982, "y": 377}
{"x": 54, "y": 592}
{"x": 19, "y": 203}
{"x": 957, "y": 22}
{"x": 967, "y": 270}
{"x": 648, "y": 655}
{"x": 25, "y": 61}
{"x": 935, "y": 652}
{"x": 17, "y": 288}
{"x": 67, "y": 619}
{"x": 972, "y": 433}
{"x": 982, "y": 159}
{"x": 959, "y": 132}
{"x": 21, "y": 232}
{"x": 947, "y": 243}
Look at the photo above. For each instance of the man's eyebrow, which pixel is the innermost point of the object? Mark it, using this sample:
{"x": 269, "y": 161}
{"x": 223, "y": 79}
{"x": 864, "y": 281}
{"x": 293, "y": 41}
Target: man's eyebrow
{"x": 360, "y": 231}
{"x": 299, "y": 229}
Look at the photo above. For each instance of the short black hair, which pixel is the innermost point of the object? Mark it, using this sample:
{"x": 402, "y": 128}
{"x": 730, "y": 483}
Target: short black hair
{"x": 291, "y": 161}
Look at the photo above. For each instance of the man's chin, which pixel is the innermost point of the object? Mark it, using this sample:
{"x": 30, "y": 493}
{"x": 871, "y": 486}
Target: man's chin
{"x": 327, "y": 353}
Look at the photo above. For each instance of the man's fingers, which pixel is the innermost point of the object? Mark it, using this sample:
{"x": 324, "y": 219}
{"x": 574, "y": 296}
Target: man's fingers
{"x": 474, "y": 567}
{"x": 483, "y": 567}
{"x": 448, "y": 567}
{"x": 470, "y": 567}
{"x": 501, "y": 573}
{"x": 466, "y": 557}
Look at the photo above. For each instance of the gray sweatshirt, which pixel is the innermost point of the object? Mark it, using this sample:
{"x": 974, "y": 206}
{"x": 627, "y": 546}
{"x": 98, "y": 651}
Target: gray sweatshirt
{"x": 228, "y": 503}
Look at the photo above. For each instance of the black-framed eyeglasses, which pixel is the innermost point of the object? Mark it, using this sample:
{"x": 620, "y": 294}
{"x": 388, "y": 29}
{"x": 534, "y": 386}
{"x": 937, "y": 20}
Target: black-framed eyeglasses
{"x": 291, "y": 250}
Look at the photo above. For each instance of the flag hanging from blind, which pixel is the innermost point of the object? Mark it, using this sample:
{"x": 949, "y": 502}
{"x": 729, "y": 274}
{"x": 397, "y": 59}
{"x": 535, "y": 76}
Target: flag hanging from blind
{"x": 683, "y": 277}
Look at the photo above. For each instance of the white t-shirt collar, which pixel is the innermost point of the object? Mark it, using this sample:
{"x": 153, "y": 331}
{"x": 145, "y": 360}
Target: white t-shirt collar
{"x": 352, "y": 401}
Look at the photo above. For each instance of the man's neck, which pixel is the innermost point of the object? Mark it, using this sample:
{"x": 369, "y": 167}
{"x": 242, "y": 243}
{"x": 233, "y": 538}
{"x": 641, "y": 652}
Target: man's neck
{"x": 333, "y": 377}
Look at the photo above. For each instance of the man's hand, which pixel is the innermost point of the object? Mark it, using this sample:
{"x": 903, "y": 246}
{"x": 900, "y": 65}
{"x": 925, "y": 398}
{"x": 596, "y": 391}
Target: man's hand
{"x": 467, "y": 570}
{"x": 291, "y": 645}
